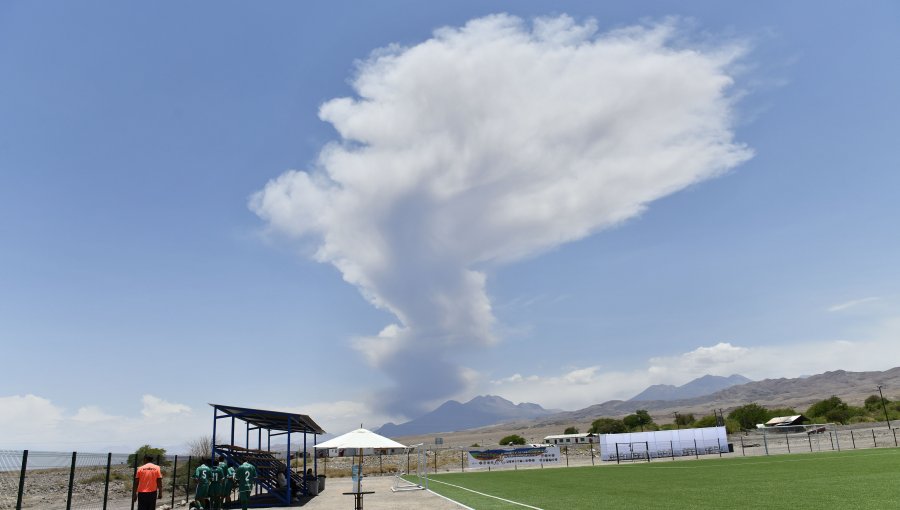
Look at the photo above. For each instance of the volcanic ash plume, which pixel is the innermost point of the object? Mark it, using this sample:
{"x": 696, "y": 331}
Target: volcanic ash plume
{"x": 488, "y": 143}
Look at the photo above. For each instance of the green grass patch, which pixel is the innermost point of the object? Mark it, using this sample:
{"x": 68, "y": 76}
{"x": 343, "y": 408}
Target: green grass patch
{"x": 849, "y": 480}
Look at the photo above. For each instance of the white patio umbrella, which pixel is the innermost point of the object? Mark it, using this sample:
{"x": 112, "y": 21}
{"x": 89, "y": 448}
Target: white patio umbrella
{"x": 359, "y": 439}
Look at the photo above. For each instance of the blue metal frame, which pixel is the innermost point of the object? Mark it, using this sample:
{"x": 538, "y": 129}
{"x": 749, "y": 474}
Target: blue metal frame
{"x": 272, "y": 419}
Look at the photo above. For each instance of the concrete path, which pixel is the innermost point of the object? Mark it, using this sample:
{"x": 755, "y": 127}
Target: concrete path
{"x": 382, "y": 499}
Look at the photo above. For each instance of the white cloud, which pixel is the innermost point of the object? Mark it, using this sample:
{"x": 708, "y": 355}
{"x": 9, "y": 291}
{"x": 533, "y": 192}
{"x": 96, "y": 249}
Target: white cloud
{"x": 28, "y": 416}
{"x": 91, "y": 415}
{"x": 488, "y": 143}
{"x": 340, "y": 416}
{"x": 155, "y": 407}
{"x": 37, "y": 423}
{"x": 578, "y": 388}
{"x": 840, "y": 307}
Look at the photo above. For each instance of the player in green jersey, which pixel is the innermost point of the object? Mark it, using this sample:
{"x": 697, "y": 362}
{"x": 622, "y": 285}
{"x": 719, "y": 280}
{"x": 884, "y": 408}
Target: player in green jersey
{"x": 201, "y": 474}
{"x": 229, "y": 482}
{"x": 217, "y": 484}
{"x": 245, "y": 476}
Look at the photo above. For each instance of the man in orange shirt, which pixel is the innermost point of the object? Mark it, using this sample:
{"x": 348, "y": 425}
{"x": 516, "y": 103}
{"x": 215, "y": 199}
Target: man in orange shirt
{"x": 147, "y": 485}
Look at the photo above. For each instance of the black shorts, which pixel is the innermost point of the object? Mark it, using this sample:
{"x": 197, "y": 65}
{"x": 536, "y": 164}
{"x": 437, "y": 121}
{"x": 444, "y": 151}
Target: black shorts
{"x": 146, "y": 501}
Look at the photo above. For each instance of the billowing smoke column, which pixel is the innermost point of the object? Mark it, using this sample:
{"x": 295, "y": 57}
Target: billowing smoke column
{"x": 485, "y": 144}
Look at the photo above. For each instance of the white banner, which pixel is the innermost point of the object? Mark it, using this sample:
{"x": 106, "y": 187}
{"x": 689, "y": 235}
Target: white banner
{"x": 530, "y": 455}
{"x": 663, "y": 443}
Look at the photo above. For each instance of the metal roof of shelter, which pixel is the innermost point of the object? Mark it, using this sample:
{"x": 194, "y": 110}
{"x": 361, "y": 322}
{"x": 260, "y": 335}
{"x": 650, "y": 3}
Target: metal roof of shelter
{"x": 564, "y": 436}
{"x": 272, "y": 420}
{"x": 781, "y": 421}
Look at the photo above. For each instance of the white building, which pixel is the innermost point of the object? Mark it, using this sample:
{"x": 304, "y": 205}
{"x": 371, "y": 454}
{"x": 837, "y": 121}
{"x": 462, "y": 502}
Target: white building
{"x": 566, "y": 439}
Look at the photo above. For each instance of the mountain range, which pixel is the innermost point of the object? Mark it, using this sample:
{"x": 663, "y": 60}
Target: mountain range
{"x": 490, "y": 409}
{"x": 478, "y": 412}
{"x": 696, "y": 388}
{"x": 800, "y": 392}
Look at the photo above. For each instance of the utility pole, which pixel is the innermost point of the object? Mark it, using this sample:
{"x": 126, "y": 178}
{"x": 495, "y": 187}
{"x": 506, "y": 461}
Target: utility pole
{"x": 884, "y": 406}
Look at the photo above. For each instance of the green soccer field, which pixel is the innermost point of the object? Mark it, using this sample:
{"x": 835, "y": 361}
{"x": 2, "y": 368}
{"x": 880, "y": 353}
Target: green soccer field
{"x": 867, "y": 479}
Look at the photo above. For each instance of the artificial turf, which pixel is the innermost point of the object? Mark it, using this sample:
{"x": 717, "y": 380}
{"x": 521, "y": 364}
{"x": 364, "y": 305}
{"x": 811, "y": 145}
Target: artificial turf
{"x": 860, "y": 479}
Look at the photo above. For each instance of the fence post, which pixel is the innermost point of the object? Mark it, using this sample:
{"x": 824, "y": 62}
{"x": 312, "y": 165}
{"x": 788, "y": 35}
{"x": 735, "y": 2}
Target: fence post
{"x": 462, "y": 462}
{"x": 380, "y": 465}
{"x": 106, "y": 483}
{"x": 895, "y": 436}
{"x": 591, "y": 446}
{"x": 436, "y": 451}
{"x": 71, "y": 481}
{"x": 831, "y": 440}
{"x": 671, "y": 450}
{"x": 719, "y": 442}
{"x": 187, "y": 486}
{"x": 788, "y": 440}
{"x": 743, "y": 451}
{"x": 809, "y": 438}
{"x": 874, "y": 442}
{"x": 133, "y": 477}
{"x": 174, "y": 475}
{"x": 837, "y": 440}
{"x": 696, "y": 450}
{"x": 567, "y": 455}
{"x": 617, "y": 453}
{"x": 766, "y": 441}
{"x": 407, "y": 461}
{"x": 22, "y": 479}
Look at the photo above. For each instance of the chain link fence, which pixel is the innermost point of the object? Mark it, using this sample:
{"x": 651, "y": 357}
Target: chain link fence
{"x": 85, "y": 481}
{"x": 104, "y": 481}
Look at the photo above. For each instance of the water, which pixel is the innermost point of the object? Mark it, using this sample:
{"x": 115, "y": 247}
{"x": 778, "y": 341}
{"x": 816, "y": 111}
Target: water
{"x": 11, "y": 460}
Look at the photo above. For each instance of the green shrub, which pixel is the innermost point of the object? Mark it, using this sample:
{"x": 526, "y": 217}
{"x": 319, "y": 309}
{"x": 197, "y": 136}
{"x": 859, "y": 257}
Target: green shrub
{"x": 512, "y": 439}
{"x": 608, "y": 426}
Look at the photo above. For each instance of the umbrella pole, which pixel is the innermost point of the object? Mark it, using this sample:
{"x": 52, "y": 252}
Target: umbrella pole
{"x": 360, "y": 469}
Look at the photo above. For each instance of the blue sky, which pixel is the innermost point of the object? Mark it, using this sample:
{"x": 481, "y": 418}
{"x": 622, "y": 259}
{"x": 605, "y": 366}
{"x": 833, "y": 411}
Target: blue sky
{"x": 138, "y": 281}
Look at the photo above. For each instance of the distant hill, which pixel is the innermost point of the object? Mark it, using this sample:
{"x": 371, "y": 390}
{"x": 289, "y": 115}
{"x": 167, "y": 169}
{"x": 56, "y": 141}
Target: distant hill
{"x": 478, "y": 412}
{"x": 697, "y": 388}
{"x": 799, "y": 393}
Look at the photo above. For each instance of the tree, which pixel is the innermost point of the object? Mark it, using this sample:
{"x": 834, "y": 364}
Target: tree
{"x": 873, "y": 403}
{"x": 138, "y": 455}
{"x": 571, "y": 430}
{"x": 710, "y": 420}
{"x": 200, "y": 447}
{"x": 640, "y": 418}
{"x": 833, "y": 405}
{"x": 684, "y": 420}
{"x": 749, "y": 415}
{"x": 512, "y": 439}
{"x": 607, "y": 426}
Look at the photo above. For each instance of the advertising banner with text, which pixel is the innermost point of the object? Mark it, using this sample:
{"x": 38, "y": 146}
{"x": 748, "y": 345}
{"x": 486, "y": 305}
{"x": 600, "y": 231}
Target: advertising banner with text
{"x": 529, "y": 455}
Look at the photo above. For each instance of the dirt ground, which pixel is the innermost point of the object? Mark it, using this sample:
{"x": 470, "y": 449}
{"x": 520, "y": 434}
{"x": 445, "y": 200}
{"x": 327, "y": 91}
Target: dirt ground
{"x": 382, "y": 499}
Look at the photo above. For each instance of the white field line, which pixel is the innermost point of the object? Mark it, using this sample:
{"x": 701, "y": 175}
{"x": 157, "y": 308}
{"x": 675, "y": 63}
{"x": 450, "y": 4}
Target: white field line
{"x": 773, "y": 461}
{"x": 487, "y": 495}
{"x": 450, "y": 500}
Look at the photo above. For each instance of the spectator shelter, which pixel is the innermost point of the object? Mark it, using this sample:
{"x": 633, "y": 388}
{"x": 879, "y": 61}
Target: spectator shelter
{"x": 786, "y": 424}
{"x": 274, "y": 475}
